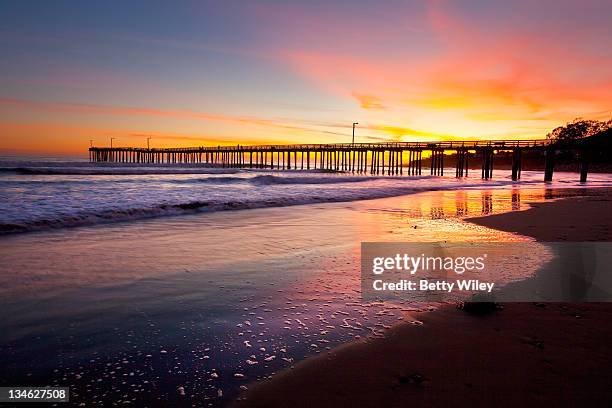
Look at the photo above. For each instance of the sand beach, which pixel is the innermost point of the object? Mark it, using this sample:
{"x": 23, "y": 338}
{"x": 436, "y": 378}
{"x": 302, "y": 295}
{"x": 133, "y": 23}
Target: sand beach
{"x": 522, "y": 354}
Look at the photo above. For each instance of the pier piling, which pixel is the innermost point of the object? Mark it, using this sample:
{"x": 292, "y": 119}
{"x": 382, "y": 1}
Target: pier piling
{"x": 549, "y": 164}
{"x": 584, "y": 165}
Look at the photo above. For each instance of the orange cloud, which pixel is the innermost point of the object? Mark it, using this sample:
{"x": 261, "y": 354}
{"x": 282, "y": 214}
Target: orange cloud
{"x": 65, "y": 139}
{"x": 131, "y": 111}
{"x": 94, "y": 109}
{"x": 399, "y": 132}
{"x": 369, "y": 101}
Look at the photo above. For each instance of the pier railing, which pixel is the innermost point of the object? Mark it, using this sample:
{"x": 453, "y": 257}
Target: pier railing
{"x": 448, "y": 145}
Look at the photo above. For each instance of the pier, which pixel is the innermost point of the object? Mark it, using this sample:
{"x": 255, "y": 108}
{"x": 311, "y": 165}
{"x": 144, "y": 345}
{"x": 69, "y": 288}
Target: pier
{"x": 390, "y": 158}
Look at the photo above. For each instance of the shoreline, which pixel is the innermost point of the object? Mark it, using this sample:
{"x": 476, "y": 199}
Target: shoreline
{"x": 561, "y": 220}
{"x": 525, "y": 354}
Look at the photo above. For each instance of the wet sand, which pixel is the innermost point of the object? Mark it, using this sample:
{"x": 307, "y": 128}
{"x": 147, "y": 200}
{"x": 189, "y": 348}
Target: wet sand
{"x": 163, "y": 312}
{"x": 522, "y": 355}
{"x": 577, "y": 219}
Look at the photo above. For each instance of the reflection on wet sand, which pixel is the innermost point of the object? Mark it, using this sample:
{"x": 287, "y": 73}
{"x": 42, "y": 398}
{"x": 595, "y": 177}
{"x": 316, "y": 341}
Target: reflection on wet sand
{"x": 516, "y": 200}
{"x": 487, "y": 202}
{"x": 461, "y": 204}
{"x": 437, "y": 213}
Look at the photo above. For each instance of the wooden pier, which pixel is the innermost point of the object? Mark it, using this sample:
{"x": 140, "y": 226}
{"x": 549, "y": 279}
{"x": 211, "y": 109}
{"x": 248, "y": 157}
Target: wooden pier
{"x": 373, "y": 158}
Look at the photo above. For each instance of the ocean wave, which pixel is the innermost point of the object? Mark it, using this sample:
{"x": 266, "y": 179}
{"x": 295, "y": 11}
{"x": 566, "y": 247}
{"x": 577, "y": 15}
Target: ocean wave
{"x": 185, "y": 206}
{"x": 112, "y": 171}
{"x": 272, "y": 179}
{"x": 86, "y": 218}
{"x": 213, "y": 178}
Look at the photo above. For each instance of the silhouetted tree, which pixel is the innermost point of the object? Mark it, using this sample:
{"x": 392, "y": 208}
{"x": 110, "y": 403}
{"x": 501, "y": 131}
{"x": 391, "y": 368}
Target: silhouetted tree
{"x": 578, "y": 129}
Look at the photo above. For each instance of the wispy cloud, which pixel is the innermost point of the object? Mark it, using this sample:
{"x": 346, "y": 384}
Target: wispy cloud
{"x": 72, "y": 138}
{"x": 129, "y": 111}
{"x": 399, "y": 132}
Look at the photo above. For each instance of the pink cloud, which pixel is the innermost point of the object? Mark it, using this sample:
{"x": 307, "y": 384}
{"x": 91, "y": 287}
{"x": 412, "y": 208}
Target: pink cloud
{"x": 520, "y": 72}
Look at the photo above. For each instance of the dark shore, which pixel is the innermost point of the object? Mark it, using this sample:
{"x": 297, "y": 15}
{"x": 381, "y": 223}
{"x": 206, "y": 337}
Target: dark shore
{"x": 525, "y": 354}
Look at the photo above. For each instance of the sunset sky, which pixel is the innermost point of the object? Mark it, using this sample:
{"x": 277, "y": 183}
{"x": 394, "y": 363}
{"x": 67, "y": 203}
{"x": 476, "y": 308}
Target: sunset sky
{"x": 223, "y": 72}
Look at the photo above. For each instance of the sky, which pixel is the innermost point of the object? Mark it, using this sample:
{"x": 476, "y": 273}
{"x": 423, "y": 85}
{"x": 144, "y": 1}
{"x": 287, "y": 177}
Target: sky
{"x": 192, "y": 73}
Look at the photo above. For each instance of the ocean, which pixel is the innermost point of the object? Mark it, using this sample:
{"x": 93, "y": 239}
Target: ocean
{"x": 39, "y": 195}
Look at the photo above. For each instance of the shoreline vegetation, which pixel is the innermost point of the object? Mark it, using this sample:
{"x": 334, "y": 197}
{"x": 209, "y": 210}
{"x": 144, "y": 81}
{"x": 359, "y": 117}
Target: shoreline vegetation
{"x": 522, "y": 354}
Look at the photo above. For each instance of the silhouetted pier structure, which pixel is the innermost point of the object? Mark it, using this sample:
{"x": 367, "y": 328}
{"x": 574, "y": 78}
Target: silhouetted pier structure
{"x": 374, "y": 158}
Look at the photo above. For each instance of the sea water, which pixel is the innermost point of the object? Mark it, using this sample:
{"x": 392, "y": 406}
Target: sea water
{"x": 37, "y": 195}
{"x": 137, "y": 285}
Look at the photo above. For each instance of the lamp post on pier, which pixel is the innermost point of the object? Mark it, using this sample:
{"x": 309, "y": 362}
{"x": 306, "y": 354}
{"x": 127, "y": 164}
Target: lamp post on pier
{"x": 112, "y": 138}
{"x": 148, "y": 138}
{"x": 354, "y": 123}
